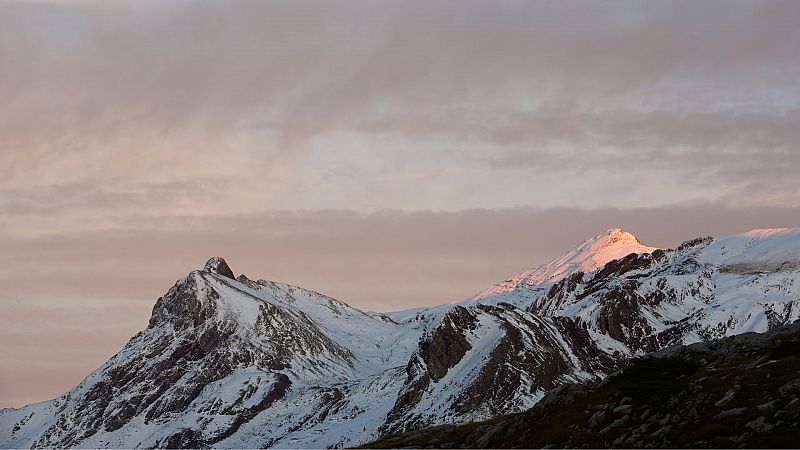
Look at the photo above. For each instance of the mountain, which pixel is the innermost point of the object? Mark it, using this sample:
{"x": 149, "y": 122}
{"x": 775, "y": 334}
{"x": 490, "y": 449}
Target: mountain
{"x": 230, "y": 362}
{"x": 705, "y": 289}
{"x": 739, "y": 391}
{"x": 587, "y": 257}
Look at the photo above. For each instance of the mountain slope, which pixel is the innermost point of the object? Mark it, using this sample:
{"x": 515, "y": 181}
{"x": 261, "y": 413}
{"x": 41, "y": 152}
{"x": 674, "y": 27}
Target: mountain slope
{"x": 704, "y": 289}
{"x": 587, "y": 257}
{"x": 217, "y": 358}
{"x": 231, "y": 362}
{"x": 741, "y": 391}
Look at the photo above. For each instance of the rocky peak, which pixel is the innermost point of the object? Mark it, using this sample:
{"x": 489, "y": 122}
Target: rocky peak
{"x": 589, "y": 256}
{"x": 217, "y": 265}
{"x": 599, "y": 250}
{"x": 620, "y": 234}
{"x": 187, "y": 304}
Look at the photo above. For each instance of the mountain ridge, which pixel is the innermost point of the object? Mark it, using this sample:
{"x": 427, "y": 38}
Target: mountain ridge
{"x": 234, "y": 362}
{"x": 738, "y": 391}
{"x": 588, "y": 256}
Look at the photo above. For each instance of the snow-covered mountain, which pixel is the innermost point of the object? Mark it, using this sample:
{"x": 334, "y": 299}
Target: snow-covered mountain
{"x": 231, "y": 362}
{"x": 705, "y": 289}
{"x": 587, "y": 257}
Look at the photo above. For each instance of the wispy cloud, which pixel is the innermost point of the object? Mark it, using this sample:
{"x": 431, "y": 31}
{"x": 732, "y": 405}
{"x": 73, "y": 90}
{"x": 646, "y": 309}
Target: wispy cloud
{"x": 269, "y": 95}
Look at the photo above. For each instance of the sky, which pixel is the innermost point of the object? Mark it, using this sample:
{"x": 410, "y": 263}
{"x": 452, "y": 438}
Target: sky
{"x": 389, "y": 154}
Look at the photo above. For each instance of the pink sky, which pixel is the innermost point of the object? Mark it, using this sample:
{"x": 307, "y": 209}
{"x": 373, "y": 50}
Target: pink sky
{"x": 390, "y": 155}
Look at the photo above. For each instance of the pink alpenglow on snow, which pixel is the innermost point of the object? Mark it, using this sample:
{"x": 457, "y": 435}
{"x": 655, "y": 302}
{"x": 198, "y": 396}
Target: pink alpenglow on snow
{"x": 587, "y": 257}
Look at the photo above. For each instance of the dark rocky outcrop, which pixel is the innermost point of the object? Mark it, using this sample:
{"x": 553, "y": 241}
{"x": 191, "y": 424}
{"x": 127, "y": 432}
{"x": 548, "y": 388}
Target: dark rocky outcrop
{"x": 278, "y": 391}
{"x": 620, "y": 317}
{"x": 694, "y": 243}
{"x": 514, "y": 360}
{"x": 741, "y": 391}
{"x": 185, "y": 305}
{"x": 617, "y": 267}
{"x": 447, "y": 345}
{"x": 576, "y": 333}
{"x": 437, "y": 353}
{"x": 218, "y": 266}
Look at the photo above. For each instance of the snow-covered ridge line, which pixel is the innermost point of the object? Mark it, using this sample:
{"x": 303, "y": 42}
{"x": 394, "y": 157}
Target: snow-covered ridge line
{"x": 586, "y": 257}
{"x": 231, "y": 362}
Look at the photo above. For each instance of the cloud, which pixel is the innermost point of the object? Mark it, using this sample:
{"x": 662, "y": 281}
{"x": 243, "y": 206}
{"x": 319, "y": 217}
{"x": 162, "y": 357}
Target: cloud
{"x": 259, "y": 92}
{"x": 372, "y": 150}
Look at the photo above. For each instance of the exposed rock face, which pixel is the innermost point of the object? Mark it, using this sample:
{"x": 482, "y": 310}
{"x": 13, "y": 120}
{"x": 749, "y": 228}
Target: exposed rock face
{"x": 437, "y": 353}
{"x": 740, "y": 391}
{"x": 230, "y": 362}
{"x": 186, "y": 305}
{"x": 530, "y": 356}
{"x": 649, "y": 301}
{"x": 576, "y": 334}
{"x": 217, "y": 265}
{"x": 447, "y": 345}
{"x": 166, "y": 372}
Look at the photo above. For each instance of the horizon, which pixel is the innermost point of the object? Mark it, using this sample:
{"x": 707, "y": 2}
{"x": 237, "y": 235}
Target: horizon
{"x": 390, "y": 156}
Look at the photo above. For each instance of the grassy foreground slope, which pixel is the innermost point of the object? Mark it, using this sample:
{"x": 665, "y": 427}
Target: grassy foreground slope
{"x": 740, "y": 391}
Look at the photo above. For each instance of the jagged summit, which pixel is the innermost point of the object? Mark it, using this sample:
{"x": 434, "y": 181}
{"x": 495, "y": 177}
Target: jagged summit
{"x": 586, "y": 257}
{"x": 217, "y": 265}
{"x": 230, "y": 363}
